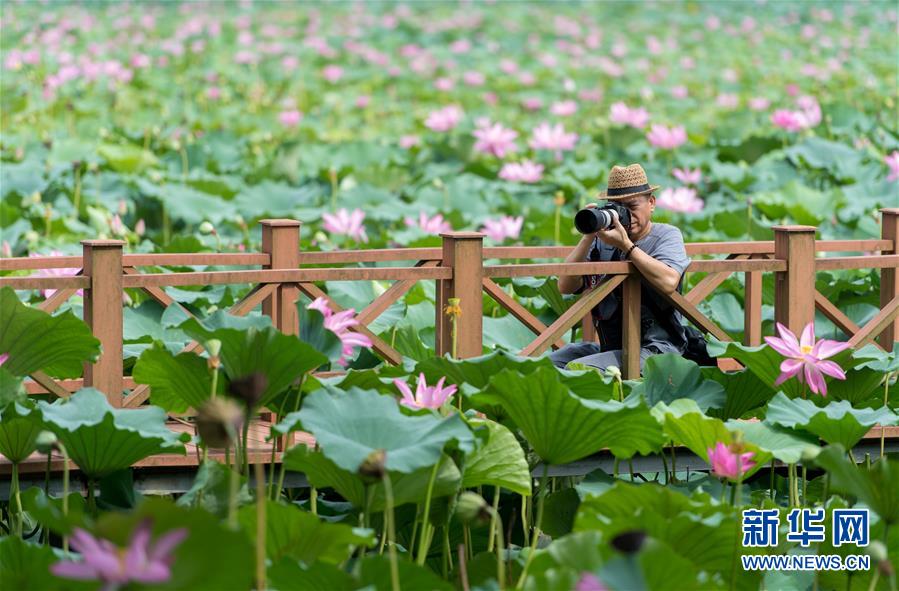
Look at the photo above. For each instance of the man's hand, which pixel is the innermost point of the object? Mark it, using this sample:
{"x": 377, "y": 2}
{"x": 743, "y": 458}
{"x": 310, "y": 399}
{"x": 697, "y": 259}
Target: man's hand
{"x": 616, "y": 237}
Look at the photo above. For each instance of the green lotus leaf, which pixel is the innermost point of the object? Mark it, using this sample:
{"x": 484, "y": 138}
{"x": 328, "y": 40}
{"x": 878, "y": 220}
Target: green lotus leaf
{"x": 499, "y": 461}
{"x": 11, "y": 389}
{"x": 875, "y": 487}
{"x": 877, "y": 359}
{"x": 20, "y": 424}
{"x": 688, "y": 426}
{"x": 212, "y": 487}
{"x": 126, "y": 157}
{"x": 348, "y": 426}
{"x": 25, "y": 332}
{"x": 375, "y": 574}
{"x": 177, "y": 382}
{"x": 669, "y": 376}
{"x": 785, "y": 445}
{"x": 290, "y": 531}
{"x": 48, "y": 510}
{"x": 212, "y": 557}
{"x": 25, "y": 566}
{"x": 743, "y": 391}
{"x": 407, "y": 488}
{"x": 281, "y": 358}
{"x": 102, "y": 439}
{"x": 837, "y": 422}
{"x": 288, "y": 575}
{"x": 563, "y": 427}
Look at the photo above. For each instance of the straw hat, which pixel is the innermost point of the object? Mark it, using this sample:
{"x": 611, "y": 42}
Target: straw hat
{"x": 627, "y": 181}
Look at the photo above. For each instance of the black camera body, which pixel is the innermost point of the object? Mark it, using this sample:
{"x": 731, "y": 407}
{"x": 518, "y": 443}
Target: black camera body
{"x": 591, "y": 219}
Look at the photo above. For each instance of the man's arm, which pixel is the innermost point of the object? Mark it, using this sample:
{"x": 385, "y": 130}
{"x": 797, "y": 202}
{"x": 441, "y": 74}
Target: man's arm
{"x": 660, "y": 275}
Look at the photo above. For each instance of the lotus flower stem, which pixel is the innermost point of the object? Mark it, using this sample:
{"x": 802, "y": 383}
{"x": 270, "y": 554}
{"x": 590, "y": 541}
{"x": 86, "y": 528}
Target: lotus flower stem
{"x": 536, "y": 536}
{"x": 91, "y": 498}
{"x": 674, "y": 463}
{"x": 424, "y": 541}
{"x": 232, "y": 492}
{"x": 245, "y": 445}
{"x": 313, "y": 500}
{"x": 260, "y": 525}
{"x": 886, "y": 398}
{"x": 771, "y": 485}
{"x": 76, "y": 193}
{"x": 463, "y": 569}
{"x": 500, "y": 547}
{"x": 524, "y": 520}
{"x": 391, "y": 533}
{"x": 14, "y": 491}
{"x": 494, "y": 515}
{"x": 65, "y": 491}
{"x": 804, "y": 482}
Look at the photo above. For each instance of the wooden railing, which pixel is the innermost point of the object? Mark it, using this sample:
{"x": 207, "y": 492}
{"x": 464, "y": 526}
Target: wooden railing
{"x": 463, "y": 268}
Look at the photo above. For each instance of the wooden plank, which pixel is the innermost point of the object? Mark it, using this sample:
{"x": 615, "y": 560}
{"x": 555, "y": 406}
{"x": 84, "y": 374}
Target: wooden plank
{"x": 103, "y": 314}
{"x": 50, "y": 385}
{"x": 380, "y": 346}
{"x": 877, "y": 324}
{"x": 281, "y": 240}
{"x": 878, "y": 261}
{"x": 835, "y": 315}
{"x": 889, "y": 276}
{"x": 572, "y": 315}
{"x": 752, "y": 308}
{"x": 631, "y": 328}
{"x": 692, "y": 313}
{"x": 58, "y": 298}
{"x": 372, "y": 255}
{"x": 393, "y": 293}
{"x": 549, "y": 269}
{"x": 277, "y": 276}
{"x": 196, "y": 259}
{"x": 67, "y": 386}
{"x": 20, "y": 283}
{"x": 852, "y": 245}
{"x": 517, "y": 310}
{"x": 709, "y": 283}
{"x": 527, "y": 252}
{"x": 794, "y": 299}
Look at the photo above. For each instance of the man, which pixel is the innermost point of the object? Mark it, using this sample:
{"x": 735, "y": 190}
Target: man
{"x": 656, "y": 250}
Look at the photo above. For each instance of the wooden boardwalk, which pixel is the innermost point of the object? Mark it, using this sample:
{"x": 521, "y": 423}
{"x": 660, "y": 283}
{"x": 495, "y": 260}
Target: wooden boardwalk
{"x": 260, "y": 450}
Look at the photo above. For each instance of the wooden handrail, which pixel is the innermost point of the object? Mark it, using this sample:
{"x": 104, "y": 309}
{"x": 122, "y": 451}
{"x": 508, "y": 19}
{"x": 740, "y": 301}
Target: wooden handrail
{"x": 863, "y": 262}
{"x": 284, "y": 276}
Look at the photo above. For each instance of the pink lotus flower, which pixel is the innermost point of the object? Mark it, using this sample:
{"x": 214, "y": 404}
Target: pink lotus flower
{"x": 363, "y": 101}
{"x": 140, "y": 562}
{"x": 806, "y": 358}
{"x": 729, "y": 463}
{"x": 532, "y": 103}
{"x": 495, "y": 139}
{"x": 553, "y": 138}
{"x": 892, "y": 161}
{"x": 140, "y": 227}
{"x": 624, "y": 115}
{"x": 789, "y": 120}
{"x": 332, "y": 73}
{"x": 444, "y": 119}
{"x": 563, "y": 108}
{"x": 728, "y": 100}
{"x": 524, "y": 172}
{"x": 213, "y": 93}
{"x": 444, "y": 84}
{"x": 348, "y": 224}
{"x": 290, "y": 118}
{"x": 679, "y": 92}
{"x": 340, "y": 323}
{"x": 473, "y": 78}
{"x": 3, "y": 358}
{"x": 589, "y": 582}
{"x": 504, "y": 227}
{"x": 56, "y": 272}
{"x": 759, "y": 103}
{"x": 407, "y": 141}
{"x": 809, "y": 107}
{"x": 432, "y": 397}
{"x": 434, "y": 225}
{"x": 687, "y": 176}
{"x": 681, "y": 199}
{"x": 666, "y": 138}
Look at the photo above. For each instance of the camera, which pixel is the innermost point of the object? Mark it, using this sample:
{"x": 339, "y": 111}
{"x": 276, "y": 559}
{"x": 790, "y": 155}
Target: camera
{"x": 591, "y": 219}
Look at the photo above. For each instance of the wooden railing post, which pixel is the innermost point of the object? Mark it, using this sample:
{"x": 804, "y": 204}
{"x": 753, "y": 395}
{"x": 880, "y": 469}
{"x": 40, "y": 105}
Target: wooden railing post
{"x": 102, "y": 264}
{"x": 752, "y": 308}
{"x": 463, "y": 252}
{"x": 794, "y": 289}
{"x": 281, "y": 241}
{"x": 889, "y": 276}
{"x": 631, "y": 329}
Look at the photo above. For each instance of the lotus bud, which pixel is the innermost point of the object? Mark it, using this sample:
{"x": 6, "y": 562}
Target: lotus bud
{"x": 76, "y": 164}
{"x": 46, "y": 442}
{"x": 214, "y": 347}
{"x": 613, "y": 371}
{"x": 877, "y": 551}
{"x": 218, "y": 422}
{"x": 5, "y": 250}
{"x": 35, "y": 197}
{"x": 374, "y": 467}
{"x": 629, "y": 542}
{"x": 123, "y": 207}
{"x": 140, "y": 227}
{"x": 31, "y": 236}
{"x": 472, "y": 507}
{"x": 249, "y": 388}
{"x": 438, "y": 183}
{"x": 809, "y": 453}
{"x": 559, "y": 199}
{"x": 238, "y": 219}
{"x": 207, "y": 228}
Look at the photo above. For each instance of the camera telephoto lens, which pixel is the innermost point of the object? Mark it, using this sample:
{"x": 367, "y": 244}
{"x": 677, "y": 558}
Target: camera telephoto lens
{"x": 589, "y": 220}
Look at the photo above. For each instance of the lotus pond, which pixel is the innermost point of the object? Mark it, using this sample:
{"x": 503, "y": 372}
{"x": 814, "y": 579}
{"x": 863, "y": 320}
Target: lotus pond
{"x": 176, "y": 127}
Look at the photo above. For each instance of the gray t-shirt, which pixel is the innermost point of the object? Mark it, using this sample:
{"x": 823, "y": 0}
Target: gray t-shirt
{"x": 665, "y": 243}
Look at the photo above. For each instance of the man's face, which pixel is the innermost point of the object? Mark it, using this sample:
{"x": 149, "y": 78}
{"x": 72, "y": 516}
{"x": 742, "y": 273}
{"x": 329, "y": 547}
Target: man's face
{"x": 641, "y": 208}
